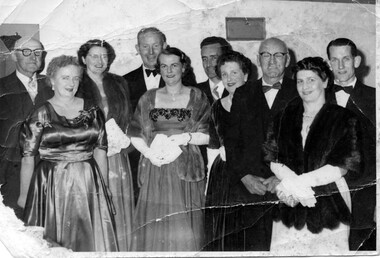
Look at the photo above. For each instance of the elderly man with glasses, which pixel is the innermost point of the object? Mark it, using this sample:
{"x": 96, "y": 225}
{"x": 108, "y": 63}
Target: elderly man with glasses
{"x": 20, "y": 92}
{"x": 254, "y": 106}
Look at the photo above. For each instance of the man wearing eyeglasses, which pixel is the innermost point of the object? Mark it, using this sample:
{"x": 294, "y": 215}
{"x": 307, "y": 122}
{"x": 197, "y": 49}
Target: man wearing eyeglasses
{"x": 254, "y": 106}
{"x": 20, "y": 92}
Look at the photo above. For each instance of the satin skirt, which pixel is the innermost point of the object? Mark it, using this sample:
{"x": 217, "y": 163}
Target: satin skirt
{"x": 169, "y": 213}
{"x": 70, "y": 200}
{"x": 121, "y": 187}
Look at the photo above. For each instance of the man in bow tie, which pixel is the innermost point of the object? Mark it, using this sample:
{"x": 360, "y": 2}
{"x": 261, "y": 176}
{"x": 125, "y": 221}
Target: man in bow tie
{"x": 254, "y": 106}
{"x": 211, "y": 49}
{"x": 20, "y": 92}
{"x": 150, "y": 43}
{"x": 350, "y": 93}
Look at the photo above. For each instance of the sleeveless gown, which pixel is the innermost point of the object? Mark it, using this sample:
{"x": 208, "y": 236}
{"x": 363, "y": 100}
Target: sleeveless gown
{"x": 67, "y": 194}
{"x": 169, "y": 214}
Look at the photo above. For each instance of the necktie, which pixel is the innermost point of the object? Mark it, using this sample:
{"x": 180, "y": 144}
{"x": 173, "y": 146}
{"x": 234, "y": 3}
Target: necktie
{"x": 216, "y": 93}
{"x": 148, "y": 72}
{"x": 346, "y": 89}
{"x": 32, "y": 85}
{"x": 276, "y": 86}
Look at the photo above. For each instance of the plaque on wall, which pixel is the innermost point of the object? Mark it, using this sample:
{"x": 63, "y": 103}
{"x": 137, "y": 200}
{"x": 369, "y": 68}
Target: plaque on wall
{"x": 243, "y": 28}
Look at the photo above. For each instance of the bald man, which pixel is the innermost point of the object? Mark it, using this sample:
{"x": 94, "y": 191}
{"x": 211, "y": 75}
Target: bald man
{"x": 254, "y": 107}
{"x": 20, "y": 92}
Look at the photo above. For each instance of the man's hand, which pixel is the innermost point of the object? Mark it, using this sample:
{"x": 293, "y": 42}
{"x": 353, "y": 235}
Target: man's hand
{"x": 271, "y": 183}
{"x": 254, "y": 184}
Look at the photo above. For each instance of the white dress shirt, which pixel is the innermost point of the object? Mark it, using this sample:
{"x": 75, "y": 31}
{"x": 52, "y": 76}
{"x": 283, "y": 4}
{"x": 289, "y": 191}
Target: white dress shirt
{"x": 270, "y": 95}
{"x": 30, "y": 84}
{"x": 219, "y": 89}
{"x": 151, "y": 82}
{"x": 341, "y": 96}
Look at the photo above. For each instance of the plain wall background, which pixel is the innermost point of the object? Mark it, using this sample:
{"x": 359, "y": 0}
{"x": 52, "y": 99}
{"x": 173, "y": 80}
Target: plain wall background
{"x": 306, "y": 26}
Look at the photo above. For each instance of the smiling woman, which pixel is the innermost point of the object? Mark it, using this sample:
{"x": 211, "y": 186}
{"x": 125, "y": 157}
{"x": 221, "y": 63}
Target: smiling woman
{"x": 169, "y": 215}
{"x": 312, "y": 146}
{"x": 65, "y": 191}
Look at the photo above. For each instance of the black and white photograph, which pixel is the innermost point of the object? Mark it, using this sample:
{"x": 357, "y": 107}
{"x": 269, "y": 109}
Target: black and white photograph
{"x": 188, "y": 128}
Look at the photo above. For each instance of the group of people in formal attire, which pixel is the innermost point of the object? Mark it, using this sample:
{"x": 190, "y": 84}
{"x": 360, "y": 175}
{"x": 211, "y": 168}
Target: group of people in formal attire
{"x": 153, "y": 161}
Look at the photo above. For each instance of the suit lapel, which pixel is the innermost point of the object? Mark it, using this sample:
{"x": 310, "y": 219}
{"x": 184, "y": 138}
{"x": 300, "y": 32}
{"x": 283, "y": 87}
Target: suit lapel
{"x": 21, "y": 96}
{"x": 140, "y": 82}
{"x": 262, "y": 96}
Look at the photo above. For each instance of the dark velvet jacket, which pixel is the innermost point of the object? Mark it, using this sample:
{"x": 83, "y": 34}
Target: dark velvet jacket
{"x": 334, "y": 138}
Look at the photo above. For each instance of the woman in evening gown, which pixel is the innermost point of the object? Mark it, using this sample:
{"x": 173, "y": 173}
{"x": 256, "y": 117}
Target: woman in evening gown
{"x": 67, "y": 190}
{"x": 169, "y": 215}
{"x": 312, "y": 147}
{"x": 110, "y": 92}
{"x": 221, "y": 223}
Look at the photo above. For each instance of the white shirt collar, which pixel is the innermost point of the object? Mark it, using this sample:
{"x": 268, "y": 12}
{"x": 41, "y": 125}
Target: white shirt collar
{"x": 25, "y": 79}
{"x": 350, "y": 84}
{"x": 268, "y": 84}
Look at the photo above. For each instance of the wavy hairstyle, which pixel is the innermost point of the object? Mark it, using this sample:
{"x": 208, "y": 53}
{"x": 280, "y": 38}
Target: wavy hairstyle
{"x": 61, "y": 61}
{"x": 85, "y": 48}
{"x": 188, "y": 76}
{"x": 318, "y": 66}
{"x": 244, "y": 62}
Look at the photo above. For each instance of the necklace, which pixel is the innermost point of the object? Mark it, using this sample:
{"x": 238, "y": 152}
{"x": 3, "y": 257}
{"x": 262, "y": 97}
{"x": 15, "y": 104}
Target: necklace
{"x": 173, "y": 95}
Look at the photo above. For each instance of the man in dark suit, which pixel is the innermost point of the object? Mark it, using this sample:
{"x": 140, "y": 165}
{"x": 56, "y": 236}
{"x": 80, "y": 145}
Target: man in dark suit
{"x": 20, "y": 92}
{"x": 211, "y": 49}
{"x": 150, "y": 43}
{"x": 254, "y": 106}
{"x": 350, "y": 93}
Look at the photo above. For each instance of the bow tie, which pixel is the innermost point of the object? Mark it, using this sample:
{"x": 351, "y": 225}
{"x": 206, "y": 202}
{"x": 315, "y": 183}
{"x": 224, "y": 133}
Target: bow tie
{"x": 148, "y": 72}
{"x": 276, "y": 86}
{"x": 346, "y": 89}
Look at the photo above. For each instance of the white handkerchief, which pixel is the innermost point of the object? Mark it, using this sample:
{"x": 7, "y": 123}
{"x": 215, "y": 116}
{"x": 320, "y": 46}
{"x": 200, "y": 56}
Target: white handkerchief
{"x": 167, "y": 148}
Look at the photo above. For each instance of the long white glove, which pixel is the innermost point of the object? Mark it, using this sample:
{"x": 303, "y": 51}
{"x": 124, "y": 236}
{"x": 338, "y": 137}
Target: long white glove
{"x": 281, "y": 171}
{"x": 156, "y": 158}
{"x": 300, "y": 192}
{"x": 321, "y": 176}
{"x": 190, "y": 138}
{"x": 211, "y": 156}
{"x": 291, "y": 190}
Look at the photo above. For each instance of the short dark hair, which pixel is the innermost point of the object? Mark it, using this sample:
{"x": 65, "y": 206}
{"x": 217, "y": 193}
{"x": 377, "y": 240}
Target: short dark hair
{"x": 225, "y": 46}
{"x": 85, "y": 48}
{"x": 244, "y": 62}
{"x": 339, "y": 42}
{"x": 152, "y": 30}
{"x": 59, "y": 62}
{"x": 318, "y": 66}
{"x": 188, "y": 76}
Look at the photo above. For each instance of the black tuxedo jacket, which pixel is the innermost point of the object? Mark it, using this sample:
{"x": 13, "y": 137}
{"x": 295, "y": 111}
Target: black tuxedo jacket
{"x": 15, "y": 106}
{"x": 137, "y": 86}
{"x": 287, "y": 92}
{"x": 205, "y": 87}
{"x": 252, "y": 114}
{"x": 362, "y": 102}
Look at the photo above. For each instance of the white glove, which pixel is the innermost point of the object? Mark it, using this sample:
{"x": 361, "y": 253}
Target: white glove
{"x": 180, "y": 139}
{"x": 301, "y": 192}
{"x": 156, "y": 158}
{"x": 285, "y": 197}
{"x": 321, "y": 176}
{"x": 281, "y": 171}
{"x": 222, "y": 151}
